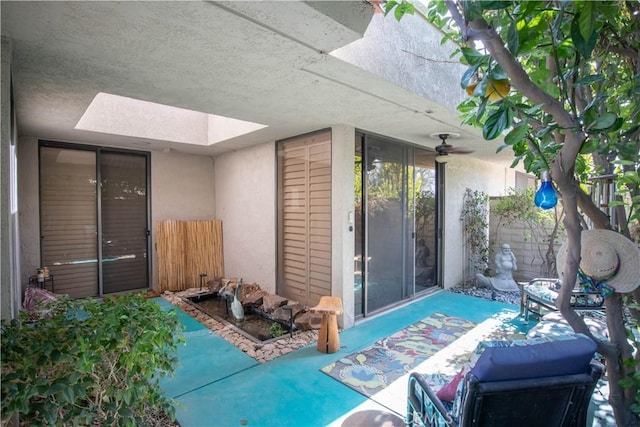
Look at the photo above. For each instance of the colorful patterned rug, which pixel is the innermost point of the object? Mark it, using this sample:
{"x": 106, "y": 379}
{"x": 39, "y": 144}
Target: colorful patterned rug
{"x": 372, "y": 369}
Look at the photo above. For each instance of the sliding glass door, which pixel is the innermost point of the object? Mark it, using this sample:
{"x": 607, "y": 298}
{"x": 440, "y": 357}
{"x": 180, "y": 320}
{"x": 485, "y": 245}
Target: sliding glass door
{"x": 394, "y": 224}
{"x": 389, "y": 224}
{"x": 94, "y": 219}
{"x": 123, "y": 197}
{"x": 69, "y": 219}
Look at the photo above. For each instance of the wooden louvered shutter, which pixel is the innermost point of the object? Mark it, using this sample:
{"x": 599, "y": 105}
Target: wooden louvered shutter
{"x": 305, "y": 218}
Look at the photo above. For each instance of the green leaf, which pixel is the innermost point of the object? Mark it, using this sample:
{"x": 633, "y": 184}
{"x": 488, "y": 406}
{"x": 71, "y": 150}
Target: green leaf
{"x": 472, "y": 9}
{"x": 603, "y": 121}
{"x": 501, "y": 147}
{"x": 583, "y": 45}
{"x": 516, "y": 134}
{"x": 474, "y": 57}
{"x": 533, "y": 110}
{"x": 589, "y": 146}
{"x": 388, "y": 6}
{"x": 586, "y": 19}
{"x": 497, "y": 73}
{"x": 495, "y": 4}
{"x": 480, "y": 89}
{"x": 496, "y": 123}
{"x": 513, "y": 38}
{"x": 545, "y": 131}
{"x": 623, "y": 162}
{"x": 589, "y": 80}
{"x": 68, "y": 394}
{"x": 403, "y": 9}
{"x": 482, "y": 107}
{"x": 468, "y": 75}
{"x": 615, "y": 126}
{"x": 630, "y": 131}
{"x": 581, "y": 165}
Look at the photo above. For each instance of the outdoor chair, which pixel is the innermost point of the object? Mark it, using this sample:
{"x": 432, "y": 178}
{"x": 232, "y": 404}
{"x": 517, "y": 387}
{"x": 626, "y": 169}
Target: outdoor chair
{"x": 535, "y": 382}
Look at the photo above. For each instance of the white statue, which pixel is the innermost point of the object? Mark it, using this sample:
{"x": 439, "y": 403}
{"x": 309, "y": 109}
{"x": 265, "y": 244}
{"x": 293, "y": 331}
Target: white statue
{"x": 505, "y": 266}
{"x": 236, "y": 306}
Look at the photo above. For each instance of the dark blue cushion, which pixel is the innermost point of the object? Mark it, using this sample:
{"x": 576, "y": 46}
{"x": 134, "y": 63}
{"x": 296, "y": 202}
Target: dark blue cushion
{"x": 567, "y": 356}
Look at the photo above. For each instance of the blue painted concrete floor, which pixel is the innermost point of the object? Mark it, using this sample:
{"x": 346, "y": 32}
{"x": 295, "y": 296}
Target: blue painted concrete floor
{"x": 216, "y": 384}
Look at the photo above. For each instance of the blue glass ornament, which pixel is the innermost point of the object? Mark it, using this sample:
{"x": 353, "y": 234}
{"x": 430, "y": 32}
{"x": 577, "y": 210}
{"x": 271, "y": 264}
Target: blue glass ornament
{"x": 546, "y": 197}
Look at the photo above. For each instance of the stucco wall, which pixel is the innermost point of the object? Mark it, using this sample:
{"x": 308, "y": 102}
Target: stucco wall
{"x": 182, "y": 188}
{"x": 462, "y": 173}
{"x": 8, "y": 297}
{"x": 409, "y": 54}
{"x": 342, "y": 220}
{"x": 245, "y": 196}
{"x": 28, "y": 207}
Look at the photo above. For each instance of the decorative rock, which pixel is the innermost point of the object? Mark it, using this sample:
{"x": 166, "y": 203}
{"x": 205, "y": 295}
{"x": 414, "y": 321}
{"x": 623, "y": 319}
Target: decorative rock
{"x": 248, "y": 289}
{"x": 268, "y": 347}
{"x": 307, "y": 321}
{"x": 253, "y": 299}
{"x": 285, "y": 315}
{"x": 271, "y": 302}
{"x": 215, "y": 284}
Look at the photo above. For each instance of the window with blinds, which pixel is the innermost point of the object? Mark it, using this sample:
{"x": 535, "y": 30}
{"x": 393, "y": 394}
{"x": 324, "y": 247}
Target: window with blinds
{"x": 304, "y": 249}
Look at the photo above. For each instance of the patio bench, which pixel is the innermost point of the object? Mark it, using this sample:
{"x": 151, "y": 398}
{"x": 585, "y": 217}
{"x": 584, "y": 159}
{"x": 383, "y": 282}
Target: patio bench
{"x": 540, "y": 294}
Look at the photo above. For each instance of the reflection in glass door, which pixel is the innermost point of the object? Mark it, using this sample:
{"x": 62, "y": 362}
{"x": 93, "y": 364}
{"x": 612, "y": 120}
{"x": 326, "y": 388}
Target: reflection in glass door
{"x": 423, "y": 196}
{"x": 395, "y": 239}
{"x": 389, "y": 224}
{"x": 123, "y": 196}
{"x": 68, "y": 219}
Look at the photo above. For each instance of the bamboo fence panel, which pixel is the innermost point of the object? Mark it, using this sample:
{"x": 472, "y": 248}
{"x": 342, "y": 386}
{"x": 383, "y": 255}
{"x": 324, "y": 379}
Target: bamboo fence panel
{"x": 170, "y": 252}
{"x": 187, "y": 249}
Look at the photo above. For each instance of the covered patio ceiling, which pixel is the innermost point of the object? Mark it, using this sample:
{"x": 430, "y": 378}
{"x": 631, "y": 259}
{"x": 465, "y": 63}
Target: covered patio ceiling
{"x": 266, "y": 62}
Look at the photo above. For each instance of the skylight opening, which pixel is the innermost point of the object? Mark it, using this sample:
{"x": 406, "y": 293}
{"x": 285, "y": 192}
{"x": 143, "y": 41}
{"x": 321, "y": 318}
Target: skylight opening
{"x": 119, "y": 115}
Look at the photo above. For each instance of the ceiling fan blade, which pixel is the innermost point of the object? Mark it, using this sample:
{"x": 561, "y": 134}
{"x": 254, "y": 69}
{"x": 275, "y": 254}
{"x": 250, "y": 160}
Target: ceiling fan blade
{"x": 460, "y": 150}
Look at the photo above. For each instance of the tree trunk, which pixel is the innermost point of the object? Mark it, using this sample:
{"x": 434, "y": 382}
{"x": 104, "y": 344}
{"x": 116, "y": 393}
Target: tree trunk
{"x": 619, "y": 397}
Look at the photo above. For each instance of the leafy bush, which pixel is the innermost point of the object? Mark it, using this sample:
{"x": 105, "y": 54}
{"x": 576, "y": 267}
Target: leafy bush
{"x": 475, "y": 218}
{"x": 543, "y": 228}
{"x": 91, "y": 362}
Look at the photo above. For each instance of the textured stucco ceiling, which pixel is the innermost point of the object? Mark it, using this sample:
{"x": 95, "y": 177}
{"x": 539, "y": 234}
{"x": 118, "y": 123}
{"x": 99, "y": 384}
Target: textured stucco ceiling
{"x": 265, "y": 62}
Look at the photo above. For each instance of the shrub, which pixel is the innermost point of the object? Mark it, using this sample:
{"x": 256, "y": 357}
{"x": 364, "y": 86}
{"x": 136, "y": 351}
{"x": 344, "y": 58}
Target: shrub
{"x": 92, "y": 362}
{"x": 276, "y": 330}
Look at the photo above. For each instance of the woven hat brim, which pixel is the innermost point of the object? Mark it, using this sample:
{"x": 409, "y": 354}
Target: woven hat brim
{"x": 628, "y": 277}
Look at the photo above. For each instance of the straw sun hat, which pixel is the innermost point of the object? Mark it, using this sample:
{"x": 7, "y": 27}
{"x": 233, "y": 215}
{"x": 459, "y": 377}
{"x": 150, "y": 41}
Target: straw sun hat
{"x": 608, "y": 257}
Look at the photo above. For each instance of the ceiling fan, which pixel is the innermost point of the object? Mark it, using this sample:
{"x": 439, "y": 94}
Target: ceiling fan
{"x": 444, "y": 149}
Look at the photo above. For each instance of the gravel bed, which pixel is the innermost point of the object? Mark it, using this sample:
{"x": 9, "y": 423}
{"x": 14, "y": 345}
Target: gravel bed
{"x": 490, "y": 294}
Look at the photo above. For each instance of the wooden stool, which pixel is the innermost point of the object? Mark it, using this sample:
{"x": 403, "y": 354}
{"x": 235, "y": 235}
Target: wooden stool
{"x": 328, "y": 339}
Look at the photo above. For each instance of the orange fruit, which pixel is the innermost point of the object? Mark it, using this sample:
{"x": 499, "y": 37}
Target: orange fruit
{"x": 471, "y": 88}
{"x": 495, "y": 91}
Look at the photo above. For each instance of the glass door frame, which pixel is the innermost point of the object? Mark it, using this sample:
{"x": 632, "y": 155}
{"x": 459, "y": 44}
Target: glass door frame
{"x": 409, "y": 230}
{"x": 98, "y": 150}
